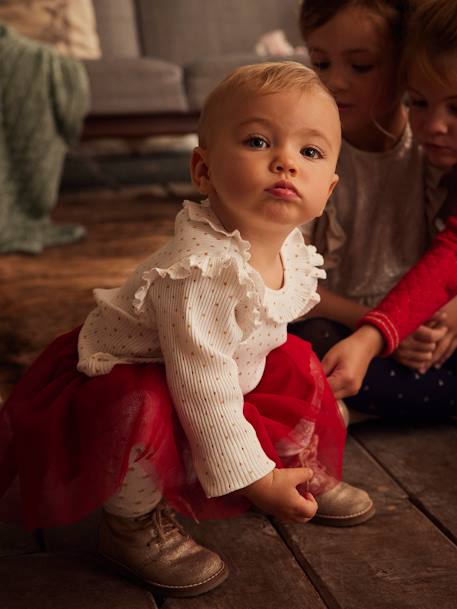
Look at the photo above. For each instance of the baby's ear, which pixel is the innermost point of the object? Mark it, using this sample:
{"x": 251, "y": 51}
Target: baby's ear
{"x": 199, "y": 170}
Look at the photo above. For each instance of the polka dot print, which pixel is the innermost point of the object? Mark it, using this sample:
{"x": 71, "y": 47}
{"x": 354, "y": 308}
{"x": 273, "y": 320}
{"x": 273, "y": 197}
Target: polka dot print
{"x": 138, "y": 494}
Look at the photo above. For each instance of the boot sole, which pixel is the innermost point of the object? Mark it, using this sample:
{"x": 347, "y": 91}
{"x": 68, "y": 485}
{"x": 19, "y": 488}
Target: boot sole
{"x": 345, "y": 521}
{"x": 186, "y": 591}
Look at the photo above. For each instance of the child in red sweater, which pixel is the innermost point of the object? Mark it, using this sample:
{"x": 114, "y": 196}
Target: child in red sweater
{"x": 432, "y": 82}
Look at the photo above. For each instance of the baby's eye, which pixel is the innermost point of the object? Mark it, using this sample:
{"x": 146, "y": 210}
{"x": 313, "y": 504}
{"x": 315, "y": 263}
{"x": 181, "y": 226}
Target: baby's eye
{"x": 362, "y": 68}
{"x": 257, "y": 142}
{"x": 311, "y": 153}
{"x": 453, "y": 109}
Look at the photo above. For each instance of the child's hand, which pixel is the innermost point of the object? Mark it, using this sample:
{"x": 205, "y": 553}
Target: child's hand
{"x": 448, "y": 343}
{"x": 346, "y": 363}
{"x": 277, "y": 494}
{"x": 417, "y": 350}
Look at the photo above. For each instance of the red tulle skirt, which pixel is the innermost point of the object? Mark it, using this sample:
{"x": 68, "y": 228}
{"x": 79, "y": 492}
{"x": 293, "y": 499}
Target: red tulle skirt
{"x": 66, "y": 439}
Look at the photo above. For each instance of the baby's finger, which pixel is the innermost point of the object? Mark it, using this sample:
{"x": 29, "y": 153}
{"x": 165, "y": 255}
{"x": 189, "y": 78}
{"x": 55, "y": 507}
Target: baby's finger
{"x": 298, "y": 475}
{"x": 305, "y": 508}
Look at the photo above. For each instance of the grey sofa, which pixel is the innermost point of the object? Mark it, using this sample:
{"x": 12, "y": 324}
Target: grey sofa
{"x": 161, "y": 57}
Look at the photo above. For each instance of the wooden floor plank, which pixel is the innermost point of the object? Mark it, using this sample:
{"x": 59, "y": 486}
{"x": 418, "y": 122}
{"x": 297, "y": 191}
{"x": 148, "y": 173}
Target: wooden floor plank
{"x": 397, "y": 560}
{"x": 45, "y": 581}
{"x": 46, "y": 295}
{"x": 80, "y": 537}
{"x": 263, "y": 573}
{"x": 422, "y": 458}
{"x": 15, "y": 541}
{"x": 249, "y": 544}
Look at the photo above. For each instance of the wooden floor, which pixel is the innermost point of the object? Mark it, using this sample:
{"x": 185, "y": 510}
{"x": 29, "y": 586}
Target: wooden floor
{"x": 405, "y": 558}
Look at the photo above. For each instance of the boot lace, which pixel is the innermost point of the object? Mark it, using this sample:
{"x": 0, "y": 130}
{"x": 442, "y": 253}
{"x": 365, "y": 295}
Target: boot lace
{"x": 161, "y": 521}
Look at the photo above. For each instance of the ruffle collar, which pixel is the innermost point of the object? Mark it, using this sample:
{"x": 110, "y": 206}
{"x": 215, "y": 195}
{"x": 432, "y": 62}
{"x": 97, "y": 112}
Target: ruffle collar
{"x": 202, "y": 212}
{"x": 298, "y": 294}
{"x": 300, "y": 261}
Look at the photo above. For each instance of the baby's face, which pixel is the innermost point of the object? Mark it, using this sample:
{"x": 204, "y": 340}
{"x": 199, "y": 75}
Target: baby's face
{"x": 271, "y": 159}
{"x": 433, "y": 113}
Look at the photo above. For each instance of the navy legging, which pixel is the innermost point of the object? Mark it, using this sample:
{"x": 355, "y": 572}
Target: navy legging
{"x": 389, "y": 389}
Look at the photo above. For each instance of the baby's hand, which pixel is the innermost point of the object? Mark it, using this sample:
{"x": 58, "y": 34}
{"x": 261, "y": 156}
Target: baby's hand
{"x": 277, "y": 494}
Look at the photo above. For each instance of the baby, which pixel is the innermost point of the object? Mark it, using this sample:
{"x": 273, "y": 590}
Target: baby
{"x": 183, "y": 384}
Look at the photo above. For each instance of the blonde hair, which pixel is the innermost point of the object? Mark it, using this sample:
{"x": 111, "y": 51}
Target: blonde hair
{"x": 432, "y": 37}
{"x": 256, "y": 79}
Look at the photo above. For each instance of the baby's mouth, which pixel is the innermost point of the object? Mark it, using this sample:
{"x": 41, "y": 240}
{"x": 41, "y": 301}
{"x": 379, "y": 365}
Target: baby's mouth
{"x": 283, "y": 190}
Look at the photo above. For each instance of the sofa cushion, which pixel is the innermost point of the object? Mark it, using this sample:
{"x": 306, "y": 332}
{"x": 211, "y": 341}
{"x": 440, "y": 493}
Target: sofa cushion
{"x": 202, "y": 75}
{"x": 135, "y": 86}
{"x": 117, "y": 28}
{"x": 67, "y": 25}
{"x": 183, "y": 32}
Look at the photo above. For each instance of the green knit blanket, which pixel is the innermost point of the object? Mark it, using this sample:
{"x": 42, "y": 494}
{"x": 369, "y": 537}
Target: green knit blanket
{"x": 44, "y": 98}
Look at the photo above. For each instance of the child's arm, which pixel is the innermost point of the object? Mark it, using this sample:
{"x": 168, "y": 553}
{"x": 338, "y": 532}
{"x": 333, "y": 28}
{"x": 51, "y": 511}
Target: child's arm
{"x": 336, "y": 307}
{"x": 423, "y": 290}
{"x": 277, "y": 494}
{"x": 199, "y": 334}
{"x": 332, "y": 305}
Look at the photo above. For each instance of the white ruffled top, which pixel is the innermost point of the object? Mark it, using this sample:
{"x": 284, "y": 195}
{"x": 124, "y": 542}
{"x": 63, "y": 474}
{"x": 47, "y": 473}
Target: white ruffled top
{"x": 198, "y": 306}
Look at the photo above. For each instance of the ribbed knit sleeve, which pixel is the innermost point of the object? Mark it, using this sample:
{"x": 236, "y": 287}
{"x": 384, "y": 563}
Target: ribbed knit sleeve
{"x": 423, "y": 290}
{"x": 198, "y": 334}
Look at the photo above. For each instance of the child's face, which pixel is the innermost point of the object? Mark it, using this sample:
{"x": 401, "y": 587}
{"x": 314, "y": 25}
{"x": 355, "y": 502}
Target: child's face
{"x": 433, "y": 113}
{"x": 354, "y": 55}
{"x": 271, "y": 159}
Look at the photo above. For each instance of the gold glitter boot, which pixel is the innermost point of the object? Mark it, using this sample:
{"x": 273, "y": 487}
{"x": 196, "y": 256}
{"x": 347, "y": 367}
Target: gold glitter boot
{"x": 155, "y": 550}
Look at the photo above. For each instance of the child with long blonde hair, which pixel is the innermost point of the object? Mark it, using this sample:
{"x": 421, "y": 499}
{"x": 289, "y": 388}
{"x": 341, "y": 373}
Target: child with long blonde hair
{"x": 382, "y": 217}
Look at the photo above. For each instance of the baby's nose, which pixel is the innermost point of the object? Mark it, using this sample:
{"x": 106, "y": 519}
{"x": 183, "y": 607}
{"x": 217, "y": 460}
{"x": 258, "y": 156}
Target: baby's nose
{"x": 285, "y": 165}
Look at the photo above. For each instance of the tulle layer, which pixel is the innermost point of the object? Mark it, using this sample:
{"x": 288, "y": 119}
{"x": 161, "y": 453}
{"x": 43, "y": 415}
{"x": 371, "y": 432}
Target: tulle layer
{"x": 65, "y": 438}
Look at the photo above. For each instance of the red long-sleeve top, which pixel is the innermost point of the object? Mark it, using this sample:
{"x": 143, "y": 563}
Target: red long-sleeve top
{"x": 423, "y": 290}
